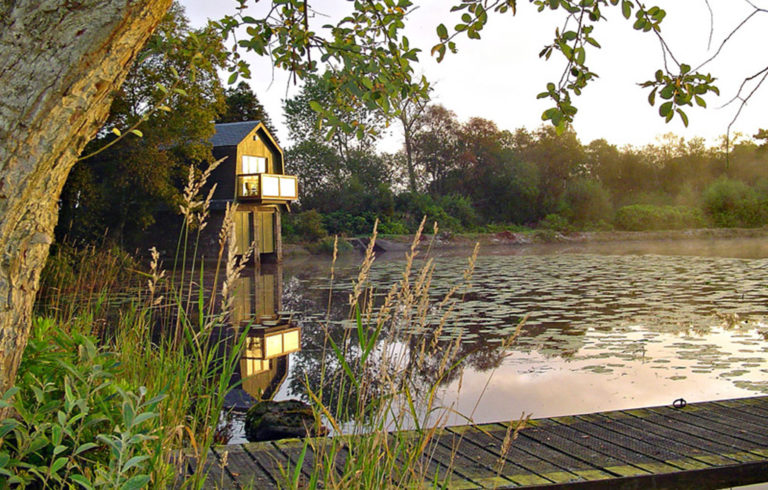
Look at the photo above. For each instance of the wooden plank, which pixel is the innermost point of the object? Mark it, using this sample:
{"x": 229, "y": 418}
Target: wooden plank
{"x": 705, "y": 445}
{"x": 447, "y": 449}
{"x": 434, "y": 471}
{"x": 292, "y": 449}
{"x": 519, "y": 465}
{"x": 755, "y": 407}
{"x": 730, "y": 421}
{"x": 670, "y": 452}
{"x": 680, "y": 443}
{"x": 712, "y": 452}
{"x": 243, "y": 469}
{"x": 726, "y": 446}
{"x": 269, "y": 458}
{"x": 554, "y": 449}
{"x": 472, "y": 448}
{"x": 716, "y": 431}
{"x": 599, "y": 447}
{"x": 216, "y": 475}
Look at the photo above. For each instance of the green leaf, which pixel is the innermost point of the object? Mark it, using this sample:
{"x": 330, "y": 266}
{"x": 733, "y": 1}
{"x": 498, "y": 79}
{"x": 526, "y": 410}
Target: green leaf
{"x": 665, "y": 109}
{"x": 683, "y": 116}
{"x": 626, "y": 8}
{"x": 84, "y": 447}
{"x": 442, "y": 32}
{"x": 232, "y": 78}
{"x": 315, "y": 106}
{"x": 135, "y": 483}
{"x": 133, "y": 462}
{"x": 667, "y": 92}
{"x": 58, "y": 464}
{"x": 81, "y": 480}
{"x": 701, "y": 102}
{"x": 117, "y": 132}
{"x": 137, "y": 133}
{"x": 652, "y": 96}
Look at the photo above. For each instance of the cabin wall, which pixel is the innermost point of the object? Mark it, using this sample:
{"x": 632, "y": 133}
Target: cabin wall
{"x": 257, "y": 149}
{"x": 224, "y": 174}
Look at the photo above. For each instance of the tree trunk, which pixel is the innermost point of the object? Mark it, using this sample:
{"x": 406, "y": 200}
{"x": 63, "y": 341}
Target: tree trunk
{"x": 60, "y": 61}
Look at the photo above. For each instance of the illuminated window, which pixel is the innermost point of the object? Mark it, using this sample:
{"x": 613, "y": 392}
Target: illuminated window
{"x": 254, "y": 165}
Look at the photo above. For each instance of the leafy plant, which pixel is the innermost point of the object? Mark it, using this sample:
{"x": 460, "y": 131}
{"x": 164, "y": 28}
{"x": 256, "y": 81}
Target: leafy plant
{"x": 74, "y": 424}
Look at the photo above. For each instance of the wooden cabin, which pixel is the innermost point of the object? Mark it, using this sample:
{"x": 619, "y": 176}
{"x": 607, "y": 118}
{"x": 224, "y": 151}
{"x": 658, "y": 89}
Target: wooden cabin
{"x": 252, "y": 175}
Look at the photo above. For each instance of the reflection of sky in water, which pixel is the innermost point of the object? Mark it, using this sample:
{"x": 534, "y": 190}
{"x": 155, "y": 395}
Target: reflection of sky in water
{"x": 603, "y": 332}
{"x": 637, "y": 370}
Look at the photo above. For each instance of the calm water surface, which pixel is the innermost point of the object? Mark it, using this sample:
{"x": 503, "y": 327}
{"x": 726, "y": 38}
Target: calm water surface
{"x": 609, "y": 326}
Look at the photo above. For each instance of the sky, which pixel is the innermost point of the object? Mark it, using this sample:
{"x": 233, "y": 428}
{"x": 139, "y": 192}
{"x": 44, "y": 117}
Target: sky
{"x": 499, "y": 76}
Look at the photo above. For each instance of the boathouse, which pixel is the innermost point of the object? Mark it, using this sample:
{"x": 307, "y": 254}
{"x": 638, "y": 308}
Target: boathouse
{"x": 252, "y": 175}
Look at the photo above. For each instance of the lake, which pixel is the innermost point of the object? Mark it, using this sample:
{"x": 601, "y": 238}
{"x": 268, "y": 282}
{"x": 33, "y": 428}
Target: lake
{"x": 609, "y": 326}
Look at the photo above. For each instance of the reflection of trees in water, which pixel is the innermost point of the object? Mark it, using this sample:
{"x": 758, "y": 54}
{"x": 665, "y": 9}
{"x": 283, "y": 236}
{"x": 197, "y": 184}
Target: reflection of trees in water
{"x": 399, "y": 356}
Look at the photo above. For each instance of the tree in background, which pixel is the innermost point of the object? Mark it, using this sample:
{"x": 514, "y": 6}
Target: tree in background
{"x": 355, "y": 128}
{"x": 174, "y": 91}
{"x": 243, "y": 105}
{"x": 435, "y": 146}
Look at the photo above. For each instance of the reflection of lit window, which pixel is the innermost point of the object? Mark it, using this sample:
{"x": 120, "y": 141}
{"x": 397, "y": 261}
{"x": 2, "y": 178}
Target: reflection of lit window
{"x": 253, "y": 366}
{"x": 291, "y": 341}
{"x": 254, "y": 165}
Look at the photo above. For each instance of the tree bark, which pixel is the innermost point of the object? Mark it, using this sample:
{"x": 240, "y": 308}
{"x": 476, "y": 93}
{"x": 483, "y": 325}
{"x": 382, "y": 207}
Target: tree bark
{"x": 60, "y": 61}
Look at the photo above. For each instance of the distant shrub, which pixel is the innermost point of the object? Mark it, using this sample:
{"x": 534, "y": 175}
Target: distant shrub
{"x": 641, "y": 217}
{"x": 731, "y": 203}
{"x": 325, "y": 246}
{"x": 305, "y": 227}
{"x": 452, "y": 212}
{"x": 554, "y": 222}
{"x": 391, "y": 226}
{"x": 587, "y": 201}
{"x": 460, "y": 208}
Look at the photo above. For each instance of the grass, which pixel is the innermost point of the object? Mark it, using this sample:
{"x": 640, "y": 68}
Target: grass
{"x": 383, "y": 415}
{"x": 131, "y": 365}
{"x": 135, "y": 381}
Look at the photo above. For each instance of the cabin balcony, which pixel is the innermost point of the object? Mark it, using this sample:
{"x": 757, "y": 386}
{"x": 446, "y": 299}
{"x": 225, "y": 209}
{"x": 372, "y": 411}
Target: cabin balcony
{"x": 267, "y": 188}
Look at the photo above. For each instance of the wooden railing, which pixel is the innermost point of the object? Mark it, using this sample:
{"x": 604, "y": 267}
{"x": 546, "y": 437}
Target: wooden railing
{"x": 267, "y": 187}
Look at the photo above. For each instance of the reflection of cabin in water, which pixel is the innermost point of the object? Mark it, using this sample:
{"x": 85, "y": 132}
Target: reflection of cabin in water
{"x": 252, "y": 175}
{"x": 272, "y": 335}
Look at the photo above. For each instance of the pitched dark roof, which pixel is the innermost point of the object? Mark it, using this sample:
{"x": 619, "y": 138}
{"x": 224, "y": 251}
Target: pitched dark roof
{"x": 230, "y": 134}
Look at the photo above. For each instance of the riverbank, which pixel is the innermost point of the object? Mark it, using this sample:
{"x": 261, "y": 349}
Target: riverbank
{"x": 448, "y": 241}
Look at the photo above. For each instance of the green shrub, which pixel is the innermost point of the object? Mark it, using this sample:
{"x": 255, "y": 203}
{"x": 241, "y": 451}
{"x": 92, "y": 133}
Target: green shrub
{"x": 325, "y": 246}
{"x": 731, "y": 203}
{"x": 391, "y": 226}
{"x": 554, "y": 222}
{"x": 642, "y": 217}
{"x": 74, "y": 424}
{"x": 308, "y": 226}
{"x": 587, "y": 201}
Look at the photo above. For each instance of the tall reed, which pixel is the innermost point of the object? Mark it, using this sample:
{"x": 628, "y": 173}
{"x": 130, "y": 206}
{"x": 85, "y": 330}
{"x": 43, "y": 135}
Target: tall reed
{"x": 171, "y": 347}
{"x": 384, "y": 416}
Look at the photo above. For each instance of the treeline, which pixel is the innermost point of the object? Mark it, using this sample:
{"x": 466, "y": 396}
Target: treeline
{"x": 468, "y": 176}
{"x": 474, "y": 177}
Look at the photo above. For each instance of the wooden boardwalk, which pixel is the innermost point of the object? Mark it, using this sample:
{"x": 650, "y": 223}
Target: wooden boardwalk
{"x": 704, "y": 445}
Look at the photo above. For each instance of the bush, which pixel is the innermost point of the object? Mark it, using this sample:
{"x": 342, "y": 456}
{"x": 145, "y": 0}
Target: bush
{"x": 642, "y": 217}
{"x": 306, "y": 226}
{"x": 74, "y": 424}
{"x": 325, "y": 246}
{"x": 731, "y": 203}
{"x": 587, "y": 201}
{"x": 554, "y": 222}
